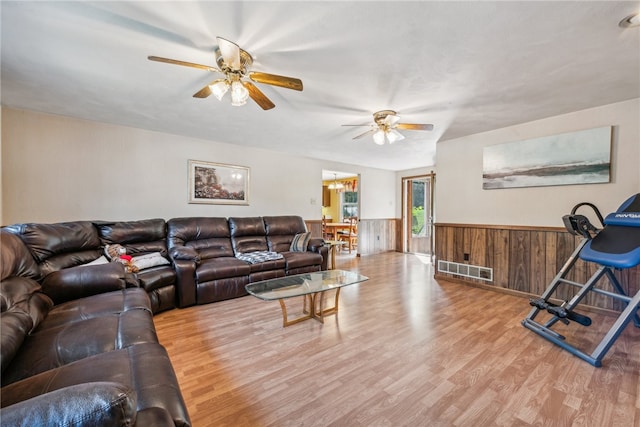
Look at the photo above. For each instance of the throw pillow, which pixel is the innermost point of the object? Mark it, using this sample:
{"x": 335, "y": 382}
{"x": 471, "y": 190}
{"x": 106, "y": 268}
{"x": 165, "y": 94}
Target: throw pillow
{"x": 149, "y": 260}
{"x": 98, "y": 261}
{"x": 300, "y": 242}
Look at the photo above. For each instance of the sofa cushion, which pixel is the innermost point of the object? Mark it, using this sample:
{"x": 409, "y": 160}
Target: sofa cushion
{"x": 247, "y": 235}
{"x": 82, "y": 281}
{"x": 60, "y": 245}
{"x": 156, "y": 277}
{"x": 23, "y": 308}
{"x": 208, "y": 236}
{"x": 302, "y": 259}
{"x": 15, "y": 258}
{"x": 221, "y": 268}
{"x": 95, "y": 404}
{"x": 54, "y": 347}
{"x": 137, "y": 237}
{"x": 96, "y": 306}
{"x": 14, "y": 327}
{"x": 281, "y": 230}
{"x": 145, "y": 368}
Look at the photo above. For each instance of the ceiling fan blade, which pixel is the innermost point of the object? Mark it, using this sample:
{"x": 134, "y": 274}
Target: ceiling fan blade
{"x": 369, "y": 132}
{"x": 230, "y": 53}
{"x": 366, "y": 124}
{"x": 275, "y": 80}
{"x": 259, "y": 97}
{"x": 414, "y": 126}
{"x": 184, "y": 63}
{"x": 203, "y": 93}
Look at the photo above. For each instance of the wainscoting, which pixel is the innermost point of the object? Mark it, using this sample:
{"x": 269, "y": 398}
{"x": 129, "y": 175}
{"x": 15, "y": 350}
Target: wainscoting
{"x": 523, "y": 259}
{"x": 374, "y": 235}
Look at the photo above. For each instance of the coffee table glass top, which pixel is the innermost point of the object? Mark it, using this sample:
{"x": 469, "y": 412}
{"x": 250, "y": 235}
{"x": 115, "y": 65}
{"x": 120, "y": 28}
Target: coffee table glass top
{"x": 303, "y": 284}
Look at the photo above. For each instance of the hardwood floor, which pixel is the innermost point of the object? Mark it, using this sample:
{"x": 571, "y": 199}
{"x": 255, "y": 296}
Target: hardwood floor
{"x": 403, "y": 350}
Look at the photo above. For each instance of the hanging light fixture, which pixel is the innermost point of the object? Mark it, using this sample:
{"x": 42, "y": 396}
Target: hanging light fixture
{"x": 239, "y": 93}
{"x": 219, "y": 88}
{"x": 386, "y": 134}
{"x": 335, "y": 185}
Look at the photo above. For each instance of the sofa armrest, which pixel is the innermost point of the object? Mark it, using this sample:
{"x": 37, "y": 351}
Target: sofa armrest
{"x": 185, "y": 282}
{"x": 83, "y": 281}
{"x": 184, "y": 253}
{"x": 317, "y": 245}
{"x": 90, "y": 404}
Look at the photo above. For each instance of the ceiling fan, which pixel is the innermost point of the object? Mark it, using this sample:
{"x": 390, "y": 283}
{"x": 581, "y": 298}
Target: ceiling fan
{"x": 235, "y": 64}
{"x": 385, "y": 125}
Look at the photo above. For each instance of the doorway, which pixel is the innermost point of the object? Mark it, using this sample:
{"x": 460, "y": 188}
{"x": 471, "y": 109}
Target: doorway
{"x": 417, "y": 214}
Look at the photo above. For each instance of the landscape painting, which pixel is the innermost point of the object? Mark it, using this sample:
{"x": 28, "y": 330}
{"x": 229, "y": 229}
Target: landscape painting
{"x": 582, "y": 157}
{"x": 218, "y": 183}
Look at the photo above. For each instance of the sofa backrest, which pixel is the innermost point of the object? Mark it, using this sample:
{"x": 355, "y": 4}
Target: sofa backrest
{"x": 248, "y": 234}
{"x": 281, "y": 230}
{"x": 138, "y": 237}
{"x": 15, "y": 258}
{"x": 22, "y": 305}
{"x": 61, "y": 245}
{"x": 209, "y": 236}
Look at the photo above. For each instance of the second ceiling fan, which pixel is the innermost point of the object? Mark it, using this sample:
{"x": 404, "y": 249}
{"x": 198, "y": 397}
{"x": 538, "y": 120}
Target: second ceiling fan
{"x": 235, "y": 63}
{"x": 384, "y": 127}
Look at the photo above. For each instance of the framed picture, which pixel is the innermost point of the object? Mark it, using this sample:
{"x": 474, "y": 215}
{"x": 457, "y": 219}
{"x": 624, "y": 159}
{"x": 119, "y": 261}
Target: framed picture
{"x": 217, "y": 183}
{"x": 582, "y": 157}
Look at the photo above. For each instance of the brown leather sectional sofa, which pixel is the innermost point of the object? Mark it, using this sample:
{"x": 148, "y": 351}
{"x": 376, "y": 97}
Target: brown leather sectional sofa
{"x": 78, "y": 342}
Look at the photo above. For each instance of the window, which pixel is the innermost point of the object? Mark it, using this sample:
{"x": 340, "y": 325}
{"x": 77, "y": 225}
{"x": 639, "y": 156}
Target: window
{"x": 349, "y": 204}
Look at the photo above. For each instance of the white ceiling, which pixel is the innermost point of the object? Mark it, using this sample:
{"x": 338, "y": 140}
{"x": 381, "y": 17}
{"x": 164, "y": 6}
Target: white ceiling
{"x": 466, "y": 67}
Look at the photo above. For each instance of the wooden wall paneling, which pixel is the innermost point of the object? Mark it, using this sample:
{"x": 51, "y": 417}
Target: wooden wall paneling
{"x": 538, "y": 273}
{"x": 477, "y": 248}
{"x": 315, "y": 227}
{"x": 525, "y": 259}
{"x": 551, "y": 257}
{"x": 376, "y": 235}
{"x": 458, "y": 244}
{"x": 363, "y": 237}
{"x": 501, "y": 244}
{"x": 564, "y": 247}
{"x": 519, "y": 260}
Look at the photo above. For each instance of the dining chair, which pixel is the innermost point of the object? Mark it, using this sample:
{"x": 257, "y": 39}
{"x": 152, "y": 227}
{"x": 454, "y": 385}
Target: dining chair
{"x": 326, "y": 234}
{"x": 351, "y": 236}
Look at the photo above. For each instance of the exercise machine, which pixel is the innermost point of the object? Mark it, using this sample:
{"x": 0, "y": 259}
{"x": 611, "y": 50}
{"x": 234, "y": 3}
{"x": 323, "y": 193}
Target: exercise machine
{"x": 614, "y": 246}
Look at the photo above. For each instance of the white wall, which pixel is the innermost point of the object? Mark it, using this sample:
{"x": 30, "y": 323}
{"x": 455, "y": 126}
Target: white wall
{"x": 58, "y": 168}
{"x": 461, "y": 199}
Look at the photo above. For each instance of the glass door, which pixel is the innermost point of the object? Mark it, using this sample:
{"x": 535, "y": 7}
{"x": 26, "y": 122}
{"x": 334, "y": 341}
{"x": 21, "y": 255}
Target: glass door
{"x": 418, "y": 214}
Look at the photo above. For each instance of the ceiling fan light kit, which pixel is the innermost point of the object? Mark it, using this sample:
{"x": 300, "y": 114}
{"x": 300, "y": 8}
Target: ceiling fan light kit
{"x": 384, "y": 127}
{"x": 235, "y": 64}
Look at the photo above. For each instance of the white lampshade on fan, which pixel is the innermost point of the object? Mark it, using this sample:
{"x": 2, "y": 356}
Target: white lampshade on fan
{"x": 239, "y": 94}
{"x": 393, "y": 136}
{"x": 219, "y": 88}
{"x": 378, "y": 137}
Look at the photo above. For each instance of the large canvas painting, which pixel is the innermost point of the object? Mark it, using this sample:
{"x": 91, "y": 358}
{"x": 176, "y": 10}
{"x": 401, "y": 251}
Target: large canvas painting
{"x": 218, "y": 183}
{"x": 582, "y": 157}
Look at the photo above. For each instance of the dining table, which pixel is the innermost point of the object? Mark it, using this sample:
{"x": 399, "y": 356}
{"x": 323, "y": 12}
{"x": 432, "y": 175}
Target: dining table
{"x": 335, "y": 227}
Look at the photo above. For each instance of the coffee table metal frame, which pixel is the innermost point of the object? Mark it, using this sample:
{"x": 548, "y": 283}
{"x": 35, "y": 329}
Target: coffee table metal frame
{"x": 311, "y": 287}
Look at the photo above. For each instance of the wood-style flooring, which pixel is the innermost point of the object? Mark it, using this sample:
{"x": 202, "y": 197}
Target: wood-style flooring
{"x": 403, "y": 350}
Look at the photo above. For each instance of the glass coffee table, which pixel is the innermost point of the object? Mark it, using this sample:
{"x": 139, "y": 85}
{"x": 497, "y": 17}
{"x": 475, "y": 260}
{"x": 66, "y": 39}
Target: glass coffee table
{"x": 310, "y": 286}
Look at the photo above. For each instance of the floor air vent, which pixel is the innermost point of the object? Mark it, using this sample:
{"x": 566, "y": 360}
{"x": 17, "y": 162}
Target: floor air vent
{"x": 466, "y": 270}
